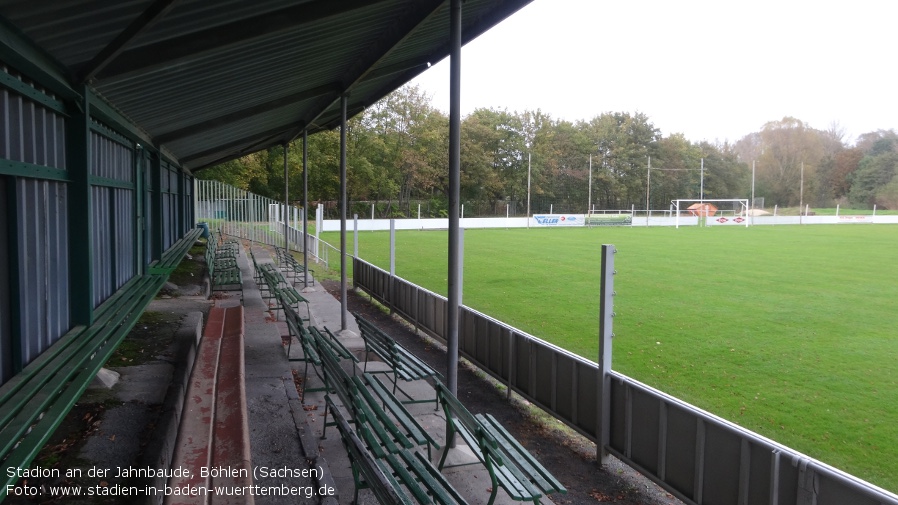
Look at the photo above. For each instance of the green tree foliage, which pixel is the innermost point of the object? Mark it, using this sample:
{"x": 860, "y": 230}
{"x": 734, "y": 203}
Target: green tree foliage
{"x": 398, "y": 158}
{"x": 874, "y": 173}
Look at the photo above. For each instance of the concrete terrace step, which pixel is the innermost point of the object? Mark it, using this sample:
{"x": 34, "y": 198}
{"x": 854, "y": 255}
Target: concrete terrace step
{"x": 213, "y": 448}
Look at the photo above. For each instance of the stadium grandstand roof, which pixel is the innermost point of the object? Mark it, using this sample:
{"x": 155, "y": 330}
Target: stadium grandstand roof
{"x": 208, "y": 81}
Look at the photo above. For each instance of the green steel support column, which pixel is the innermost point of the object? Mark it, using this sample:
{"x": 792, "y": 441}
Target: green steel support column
{"x": 80, "y": 251}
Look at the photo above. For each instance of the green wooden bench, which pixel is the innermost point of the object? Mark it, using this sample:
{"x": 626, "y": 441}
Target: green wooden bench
{"x": 219, "y": 262}
{"x": 404, "y": 477}
{"x": 229, "y": 248}
{"x": 286, "y": 295}
{"x": 34, "y": 402}
{"x": 370, "y": 402}
{"x": 408, "y": 475}
{"x": 297, "y": 331}
{"x": 289, "y": 264}
{"x": 332, "y": 343}
{"x": 171, "y": 258}
{"x": 223, "y": 271}
{"x": 508, "y": 463}
{"x": 402, "y": 363}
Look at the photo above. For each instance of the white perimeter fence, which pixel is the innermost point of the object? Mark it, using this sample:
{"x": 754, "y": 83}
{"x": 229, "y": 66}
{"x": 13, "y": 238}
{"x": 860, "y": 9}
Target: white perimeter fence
{"x": 574, "y": 220}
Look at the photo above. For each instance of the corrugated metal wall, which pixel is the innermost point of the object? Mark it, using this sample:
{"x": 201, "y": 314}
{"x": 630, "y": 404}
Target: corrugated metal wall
{"x": 113, "y": 212}
{"x": 43, "y": 267}
{"x": 34, "y": 258}
{"x": 5, "y": 328}
{"x": 170, "y": 214}
{"x": 38, "y": 200}
{"x": 29, "y": 131}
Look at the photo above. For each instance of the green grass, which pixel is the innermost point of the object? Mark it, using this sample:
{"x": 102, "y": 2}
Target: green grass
{"x": 789, "y": 331}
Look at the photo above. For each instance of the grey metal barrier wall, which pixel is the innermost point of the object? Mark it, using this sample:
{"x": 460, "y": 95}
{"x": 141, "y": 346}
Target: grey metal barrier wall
{"x": 699, "y": 457}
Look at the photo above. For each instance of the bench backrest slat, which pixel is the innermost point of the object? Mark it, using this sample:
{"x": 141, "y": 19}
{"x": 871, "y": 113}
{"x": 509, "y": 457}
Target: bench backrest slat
{"x": 381, "y": 483}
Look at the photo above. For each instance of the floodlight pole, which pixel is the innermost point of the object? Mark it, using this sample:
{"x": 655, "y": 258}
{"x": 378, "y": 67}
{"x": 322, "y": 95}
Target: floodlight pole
{"x": 528, "y": 189}
{"x": 752, "y": 206}
{"x": 702, "y": 189}
{"x": 454, "y": 294}
{"x": 648, "y": 185}
{"x": 589, "y": 197}
{"x": 801, "y": 194}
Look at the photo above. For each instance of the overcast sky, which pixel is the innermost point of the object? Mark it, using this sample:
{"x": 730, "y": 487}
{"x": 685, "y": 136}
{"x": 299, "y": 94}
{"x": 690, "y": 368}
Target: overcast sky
{"x": 710, "y": 69}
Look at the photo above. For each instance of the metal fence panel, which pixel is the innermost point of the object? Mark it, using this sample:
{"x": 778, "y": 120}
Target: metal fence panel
{"x": 585, "y": 417}
{"x": 563, "y": 390}
{"x": 522, "y": 378}
{"x": 679, "y": 464}
{"x": 643, "y": 443}
{"x": 721, "y": 466}
{"x": 759, "y": 474}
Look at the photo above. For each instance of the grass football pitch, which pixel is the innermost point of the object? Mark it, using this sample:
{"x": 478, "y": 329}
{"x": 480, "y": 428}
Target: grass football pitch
{"x": 789, "y": 331}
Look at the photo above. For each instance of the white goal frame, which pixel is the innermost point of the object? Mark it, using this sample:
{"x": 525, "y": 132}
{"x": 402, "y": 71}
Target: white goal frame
{"x": 742, "y": 201}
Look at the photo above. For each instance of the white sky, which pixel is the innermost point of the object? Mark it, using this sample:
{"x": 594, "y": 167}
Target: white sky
{"x": 710, "y": 69}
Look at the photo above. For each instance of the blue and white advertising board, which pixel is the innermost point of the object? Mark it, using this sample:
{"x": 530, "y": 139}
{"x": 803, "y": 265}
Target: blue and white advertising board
{"x": 558, "y": 219}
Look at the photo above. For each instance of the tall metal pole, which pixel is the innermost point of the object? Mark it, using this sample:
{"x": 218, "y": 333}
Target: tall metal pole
{"x": 606, "y": 335}
{"x": 528, "y": 190}
{"x": 752, "y": 206}
{"x": 589, "y": 188}
{"x": 343, "y": 304}
{"x": 702, "y": 190}
{"x": 305, "y": 208}
{"x": 648, "y": 184}
{"x": 454, "y": 193}
{"x": 286, "y": 203}
{"x": 801, "y": 194}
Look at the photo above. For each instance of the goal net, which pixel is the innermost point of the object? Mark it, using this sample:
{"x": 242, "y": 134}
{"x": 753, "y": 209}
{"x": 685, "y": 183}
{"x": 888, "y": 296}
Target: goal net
{"x": 721, "y": 211}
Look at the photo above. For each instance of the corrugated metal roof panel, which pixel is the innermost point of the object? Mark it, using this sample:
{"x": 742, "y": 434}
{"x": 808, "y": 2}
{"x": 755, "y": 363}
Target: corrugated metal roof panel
{"x": 210, "y": 80}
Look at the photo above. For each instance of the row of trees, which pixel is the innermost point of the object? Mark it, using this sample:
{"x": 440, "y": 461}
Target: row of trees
{"x": 398, "y": 154}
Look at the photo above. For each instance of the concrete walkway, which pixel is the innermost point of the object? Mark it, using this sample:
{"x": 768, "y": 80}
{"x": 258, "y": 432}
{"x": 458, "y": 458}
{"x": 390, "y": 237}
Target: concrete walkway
{"x": 286, "y": 432}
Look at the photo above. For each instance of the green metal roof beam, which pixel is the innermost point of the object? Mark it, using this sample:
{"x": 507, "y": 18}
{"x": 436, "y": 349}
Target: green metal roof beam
{"x": 178, "y": 48}
{"x": 147, "y": 18}
{"x": 19, "y": 53}
{"x": 401, "y": 29}
{"x": 245, "y": 145}
{"x": 504, "y": 8}
{"x": 245, "y": 113}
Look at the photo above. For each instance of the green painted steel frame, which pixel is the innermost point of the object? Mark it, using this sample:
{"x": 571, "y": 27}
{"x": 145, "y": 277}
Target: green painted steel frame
{"x": 78, "y": 153}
